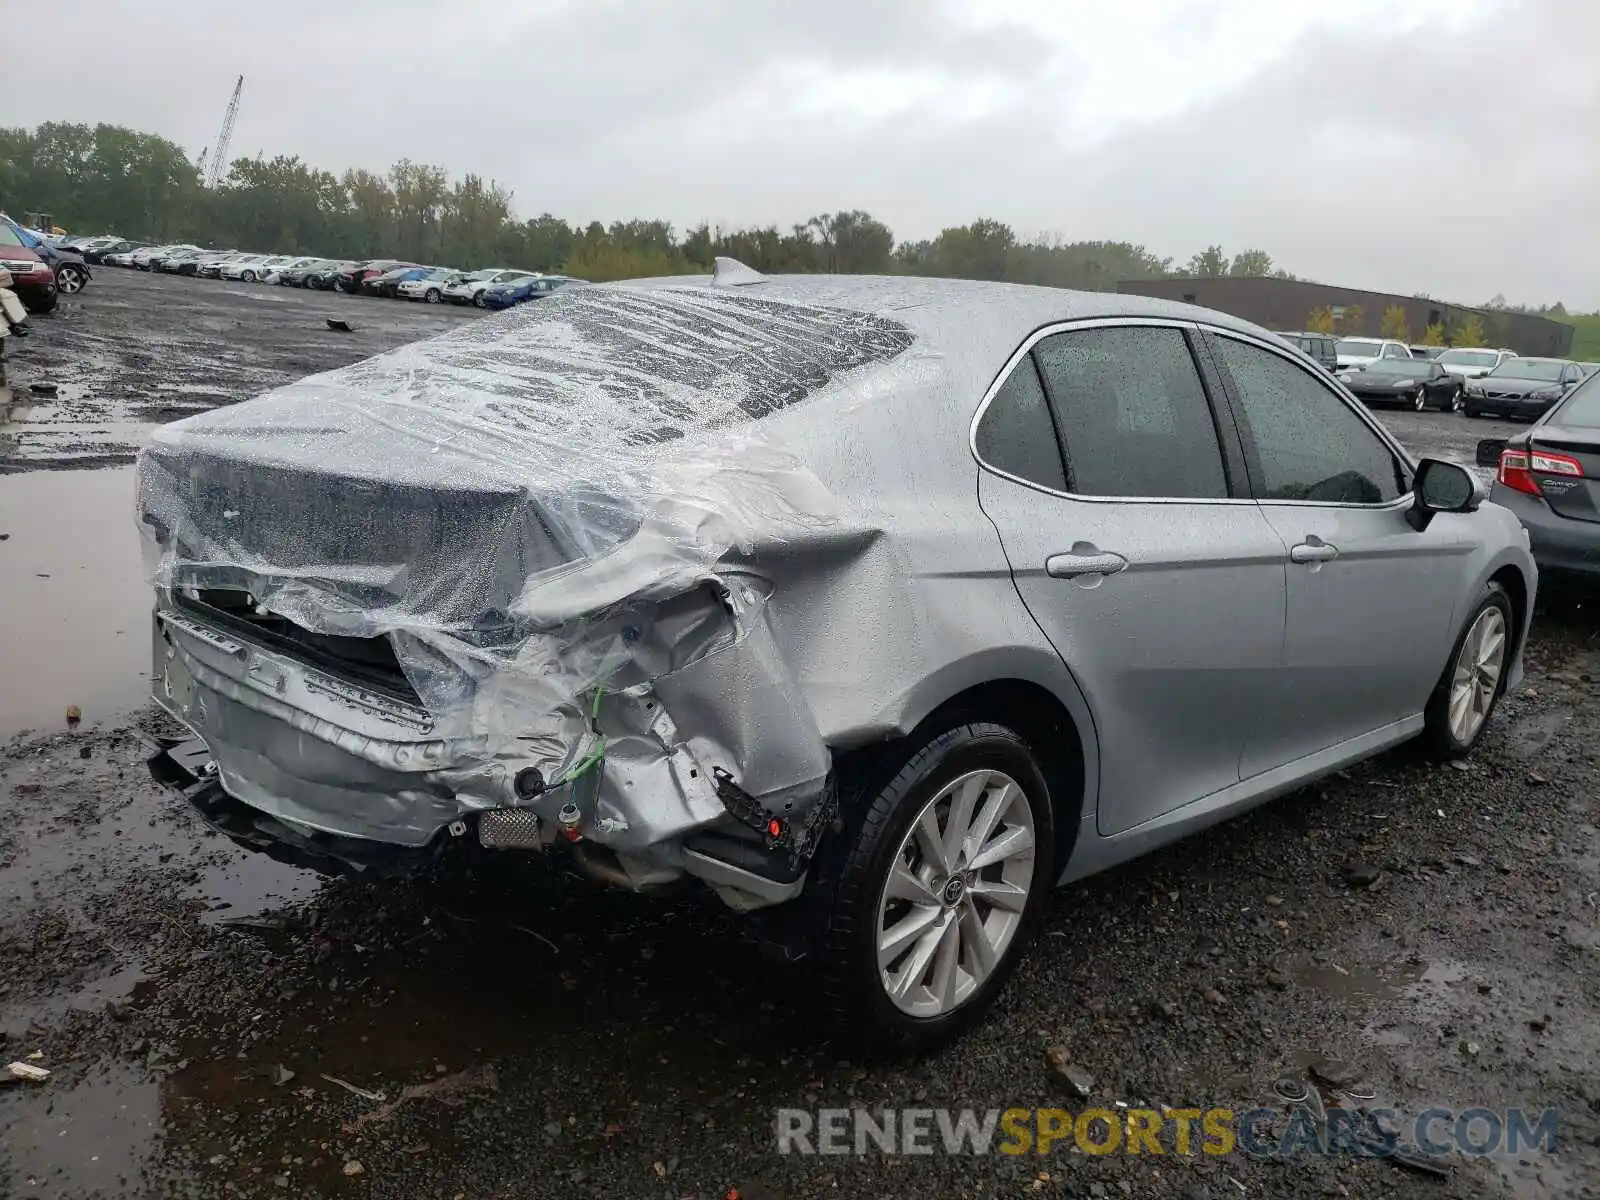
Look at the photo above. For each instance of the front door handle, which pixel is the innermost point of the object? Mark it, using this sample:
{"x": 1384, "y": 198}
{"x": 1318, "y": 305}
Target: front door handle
{"x": 1070, "y": 566}
{"x": 1313, "y": 550}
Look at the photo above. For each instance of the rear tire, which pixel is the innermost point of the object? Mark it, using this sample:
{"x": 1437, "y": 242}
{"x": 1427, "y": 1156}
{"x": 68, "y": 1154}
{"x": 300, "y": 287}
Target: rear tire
{"x": 431, "y": 296}
{"x": 969, "y": 926}
{"x": 1474, "y": 678}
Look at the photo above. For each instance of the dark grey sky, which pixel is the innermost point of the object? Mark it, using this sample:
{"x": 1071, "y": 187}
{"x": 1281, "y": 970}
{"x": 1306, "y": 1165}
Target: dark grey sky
{"x": 1453, "y": 149}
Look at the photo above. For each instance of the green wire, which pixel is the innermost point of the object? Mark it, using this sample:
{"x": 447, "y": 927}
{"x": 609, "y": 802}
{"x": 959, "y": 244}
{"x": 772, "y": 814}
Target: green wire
{"x": 599, "y": 752}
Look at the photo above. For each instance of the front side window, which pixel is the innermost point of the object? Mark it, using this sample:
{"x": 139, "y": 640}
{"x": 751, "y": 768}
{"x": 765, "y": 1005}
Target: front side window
{"x": 1310, "y": 444}
{"x": 1017, "y": 435}
{"x": 1132, "y": 412}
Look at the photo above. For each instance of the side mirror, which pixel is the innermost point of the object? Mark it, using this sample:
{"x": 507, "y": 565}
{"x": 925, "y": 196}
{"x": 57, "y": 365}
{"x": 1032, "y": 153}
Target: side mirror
{"x": 1489, "y": 451}
{"x": 1442, "y": 487}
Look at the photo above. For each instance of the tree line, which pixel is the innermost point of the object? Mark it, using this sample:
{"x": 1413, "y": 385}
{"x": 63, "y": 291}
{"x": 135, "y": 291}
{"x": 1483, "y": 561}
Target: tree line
{"x": 114, "y": 179}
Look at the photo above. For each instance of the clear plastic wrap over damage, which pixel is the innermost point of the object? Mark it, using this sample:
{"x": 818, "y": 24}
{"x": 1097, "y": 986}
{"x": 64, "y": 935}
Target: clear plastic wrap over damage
{"x": 503, "y": 549}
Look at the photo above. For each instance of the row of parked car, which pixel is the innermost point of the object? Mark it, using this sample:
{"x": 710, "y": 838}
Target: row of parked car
{"x": 41, "y": 270}
{"x": 1474, "y": 380}
{"x": 394, "y": 279}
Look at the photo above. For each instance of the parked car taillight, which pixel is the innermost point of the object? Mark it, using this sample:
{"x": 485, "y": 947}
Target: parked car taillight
{"x": 1517, "y": 468}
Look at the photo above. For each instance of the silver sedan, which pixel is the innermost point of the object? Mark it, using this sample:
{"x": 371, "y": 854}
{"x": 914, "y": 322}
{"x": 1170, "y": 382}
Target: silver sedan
{"x": 876, "y": 606}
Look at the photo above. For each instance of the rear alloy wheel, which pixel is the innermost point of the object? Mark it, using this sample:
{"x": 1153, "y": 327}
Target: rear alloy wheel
{"x": 1420, "y": 400}
{"x": 1470, "y": 688}
{"x": 1458, "y": 399}
{"x": 432, "y": 296}
{"x": 70, "y": 280}
{"x": 477, "y": 298}
{"x": 942, "y": 877}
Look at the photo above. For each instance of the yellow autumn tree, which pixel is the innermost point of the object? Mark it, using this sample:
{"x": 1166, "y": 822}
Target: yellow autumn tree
{"x": 1354, "y": 318}
{"x": 1433, "y": 335}
{"x": 1320, "y": 320}
{"x": 1393, "y": 324}
{"x": 1469, "y": 331}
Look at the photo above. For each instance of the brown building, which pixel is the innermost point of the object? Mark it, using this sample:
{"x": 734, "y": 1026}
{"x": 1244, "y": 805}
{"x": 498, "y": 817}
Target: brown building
{"x": 1289, "y": 303}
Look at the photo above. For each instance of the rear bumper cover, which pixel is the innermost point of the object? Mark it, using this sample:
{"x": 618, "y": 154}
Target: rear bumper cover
{"x": 317, "y": 766}
{"x": 1557, "y": 543}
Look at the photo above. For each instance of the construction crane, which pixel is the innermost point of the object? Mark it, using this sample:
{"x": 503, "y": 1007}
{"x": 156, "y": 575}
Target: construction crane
{"x": 219, "y": 159}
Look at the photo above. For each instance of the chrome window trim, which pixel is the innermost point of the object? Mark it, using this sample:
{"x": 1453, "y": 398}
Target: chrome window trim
{"x": 1022, "y": 351}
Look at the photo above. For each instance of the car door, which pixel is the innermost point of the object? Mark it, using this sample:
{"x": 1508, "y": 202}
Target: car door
{"x": 1370, "y": 599}
{"x": 1122, "y": 505}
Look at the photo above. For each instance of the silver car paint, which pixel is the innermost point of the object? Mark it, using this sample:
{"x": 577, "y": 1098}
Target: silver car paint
{"x": 873, "y": 620}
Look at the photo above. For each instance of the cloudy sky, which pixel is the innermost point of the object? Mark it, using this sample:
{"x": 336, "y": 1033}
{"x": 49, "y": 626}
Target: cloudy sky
{"x": 1452, "y": 147}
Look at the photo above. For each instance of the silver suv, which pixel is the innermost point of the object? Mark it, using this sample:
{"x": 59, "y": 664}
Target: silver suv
{"x": 886, "y": 604}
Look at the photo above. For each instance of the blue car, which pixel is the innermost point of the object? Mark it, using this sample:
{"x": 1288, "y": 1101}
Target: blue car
{"x": 515, "y": 291}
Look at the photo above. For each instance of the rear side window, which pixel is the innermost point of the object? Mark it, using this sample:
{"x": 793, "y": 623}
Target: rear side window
{"x": 1017, "y": 435}
{"x": 1310, "y": 445}
{"x": 1133, "y": 414}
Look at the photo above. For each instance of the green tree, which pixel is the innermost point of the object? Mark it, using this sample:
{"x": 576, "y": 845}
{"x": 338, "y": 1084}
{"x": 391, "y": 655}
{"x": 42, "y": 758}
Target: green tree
{"x": 1393, "y": 324}
{"x": 1251, "y": 262}
{"x": 1210, "y": 263}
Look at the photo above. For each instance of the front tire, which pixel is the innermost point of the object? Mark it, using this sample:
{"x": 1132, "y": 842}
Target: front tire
{"x": 1458, "y": 400}
{"x": 69, "y": 280}
{"x": 1474, "y": 679}
{"x": 248, "y": 277}
{"x": 478, "y": 300}
{"x": 432, "y": 296}
{"x": 940, "y": 878}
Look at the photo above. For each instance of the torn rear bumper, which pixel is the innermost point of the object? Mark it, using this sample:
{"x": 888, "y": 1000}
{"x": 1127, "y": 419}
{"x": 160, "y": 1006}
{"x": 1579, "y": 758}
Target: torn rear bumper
{"x": 306, "y": 764}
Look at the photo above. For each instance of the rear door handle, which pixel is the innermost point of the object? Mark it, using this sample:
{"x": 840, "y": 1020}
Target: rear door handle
{"x": 1313, "y": 552}
{"x": 1070, "y": 566}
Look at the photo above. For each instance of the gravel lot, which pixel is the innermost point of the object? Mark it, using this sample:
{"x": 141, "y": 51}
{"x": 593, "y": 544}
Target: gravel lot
{"x": 1436, "y": 930}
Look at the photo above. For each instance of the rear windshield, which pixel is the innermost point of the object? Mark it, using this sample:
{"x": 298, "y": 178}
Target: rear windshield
{"x": 1582, "y": 408}
{"x": 641, "y": 365}
{"x": 1409, "y": 368}
{"x": 1469, "y": 358}
{"x": 1357, "y": 348}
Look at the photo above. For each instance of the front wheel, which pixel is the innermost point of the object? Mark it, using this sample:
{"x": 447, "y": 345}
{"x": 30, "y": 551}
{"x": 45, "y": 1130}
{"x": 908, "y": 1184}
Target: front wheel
{"x": 432, "y": 296}
{"x": 248, "y": 277}
{"x": 479, "y": 300}
{"x": 1457, "y": 400}
{"x": 1472, "y": 683}
{"x": 1420, "y": 400}
{"x": 941, "y": 877}
{"x": 70, "y": 280}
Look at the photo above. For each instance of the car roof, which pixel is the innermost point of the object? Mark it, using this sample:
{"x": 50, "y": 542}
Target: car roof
{"x": 961, "y": 315}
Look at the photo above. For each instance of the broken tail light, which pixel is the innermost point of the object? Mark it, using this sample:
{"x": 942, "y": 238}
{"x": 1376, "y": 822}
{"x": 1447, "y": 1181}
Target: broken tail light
{"x": 1518, "y": 467}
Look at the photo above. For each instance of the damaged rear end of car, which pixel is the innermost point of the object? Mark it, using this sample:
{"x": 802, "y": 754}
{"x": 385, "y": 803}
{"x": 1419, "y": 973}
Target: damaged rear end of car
{"x": 486, "y": 591}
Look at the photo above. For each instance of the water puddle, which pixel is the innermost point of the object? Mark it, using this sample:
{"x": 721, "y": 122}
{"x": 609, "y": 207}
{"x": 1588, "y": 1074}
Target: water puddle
{"x": 92, "y": 1140}
{"x": 75, "y": 607}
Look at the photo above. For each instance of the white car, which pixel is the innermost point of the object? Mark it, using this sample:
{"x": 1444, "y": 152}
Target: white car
{"x": 246, "y": 267}
{"x": 1356, "y": 352}
{"x": 429, "y": 287}
{"x": 299, "y": 261}
{"x": 470, "y": 289}
{"x": 141, "y": 258}
{"x": 1472, "y": 362}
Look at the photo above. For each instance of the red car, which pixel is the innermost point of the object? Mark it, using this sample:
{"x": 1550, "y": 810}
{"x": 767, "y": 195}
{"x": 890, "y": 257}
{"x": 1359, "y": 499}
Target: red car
{"x": 353, "y": 275}
{"x": 31, "y": 277}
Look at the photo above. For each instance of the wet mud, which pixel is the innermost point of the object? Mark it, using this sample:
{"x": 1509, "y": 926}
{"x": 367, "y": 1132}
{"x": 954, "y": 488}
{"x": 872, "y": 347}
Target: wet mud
{"x": 218, "y": 1025}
